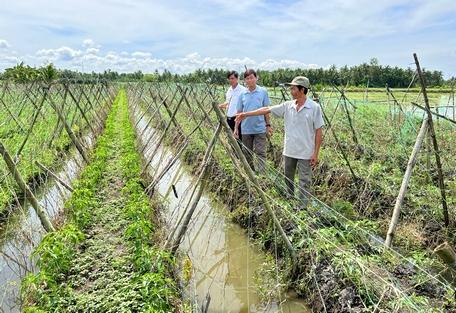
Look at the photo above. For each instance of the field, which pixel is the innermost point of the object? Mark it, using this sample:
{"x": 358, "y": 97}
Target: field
{"x": 110, "y": 251}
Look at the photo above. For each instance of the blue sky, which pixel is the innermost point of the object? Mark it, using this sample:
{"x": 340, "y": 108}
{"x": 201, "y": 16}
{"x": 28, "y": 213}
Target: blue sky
{"x": 182, "y": 36}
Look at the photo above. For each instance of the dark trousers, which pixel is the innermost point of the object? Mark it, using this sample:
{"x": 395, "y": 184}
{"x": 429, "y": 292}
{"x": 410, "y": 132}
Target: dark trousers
{"x": 255, "y": 144}
{"x": 304, "y": 177}
{"x": 232, "y": 123}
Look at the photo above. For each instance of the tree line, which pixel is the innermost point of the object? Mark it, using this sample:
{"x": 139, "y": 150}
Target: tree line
{"x": 370, "y": 74}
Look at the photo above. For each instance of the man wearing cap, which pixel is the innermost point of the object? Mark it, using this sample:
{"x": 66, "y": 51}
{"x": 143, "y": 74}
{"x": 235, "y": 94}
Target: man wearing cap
{"x": 303, "y": 120}
{"x": 231, "y": 99}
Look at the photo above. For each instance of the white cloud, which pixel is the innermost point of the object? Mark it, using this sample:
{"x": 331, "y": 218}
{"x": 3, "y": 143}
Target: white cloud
{"x": 93, "y": 59}
{"x": 8, "y": 60}
{"x": 430, "y": 12}
{"x": 90, "y": 44}
{"x": 4, "y": 44}
{"x": 93, "y": 51}
{"x": 61, "y": 54}
{"x": 124, "y": 62}
{"x": 140, "y": 54}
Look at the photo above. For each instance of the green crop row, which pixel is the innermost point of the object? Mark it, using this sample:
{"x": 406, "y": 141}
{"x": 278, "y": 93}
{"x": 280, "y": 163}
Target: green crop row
{"x": 104, "y": 258}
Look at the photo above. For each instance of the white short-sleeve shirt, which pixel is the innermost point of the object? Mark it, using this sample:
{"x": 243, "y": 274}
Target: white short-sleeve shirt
{"x": 232, "y": 97}
{"x": 300, "y": 127}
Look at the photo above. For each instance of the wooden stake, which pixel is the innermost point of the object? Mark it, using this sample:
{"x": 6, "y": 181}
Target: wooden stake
{"x": 434, "y": 113}
{"x": 162, "y": 137}
{"x": 201, "y": 182}
{"x": 67, "y": 90}
{"x": 25, "y": 189}
{"x": 405, "y": 182}
{"x": 32, "y": 125}
{"x": 58, "y": 179}
{"x": 70, "y": 132}
{"x": 446, "y": 217}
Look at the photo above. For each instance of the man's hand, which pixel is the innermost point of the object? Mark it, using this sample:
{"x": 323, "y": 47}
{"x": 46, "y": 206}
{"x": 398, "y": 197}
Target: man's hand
{"x": 240, "y": 117}
{"x": 236, "y": 133}
{"x": 314, "y": 160}
{"x": 223, "y": 105}
{"x": 269, "y": 131}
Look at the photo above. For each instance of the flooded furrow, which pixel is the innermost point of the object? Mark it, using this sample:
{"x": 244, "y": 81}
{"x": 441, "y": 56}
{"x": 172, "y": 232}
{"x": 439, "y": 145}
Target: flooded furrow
{"x": 223, "y": 260}
{"x": 24, "y": 232}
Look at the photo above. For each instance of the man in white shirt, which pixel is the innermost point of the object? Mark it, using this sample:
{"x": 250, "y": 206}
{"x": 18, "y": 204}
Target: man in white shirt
{"x": 303, "y": 120}
{"x": 231, "y": 99}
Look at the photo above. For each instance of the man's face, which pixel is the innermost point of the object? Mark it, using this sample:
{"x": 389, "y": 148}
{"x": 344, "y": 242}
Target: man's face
{"x": 295, "y": 93}
{"x": 250, "y": 81}
{"x": 233, "y": 80}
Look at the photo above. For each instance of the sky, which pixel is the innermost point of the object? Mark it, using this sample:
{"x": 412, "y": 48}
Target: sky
{"x": 182, "y": 36}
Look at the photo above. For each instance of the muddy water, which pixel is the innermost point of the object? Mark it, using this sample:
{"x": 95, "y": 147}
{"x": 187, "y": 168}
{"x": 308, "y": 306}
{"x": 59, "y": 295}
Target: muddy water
{"x": 24, "y": 232}
{"x": 224, "y": 262}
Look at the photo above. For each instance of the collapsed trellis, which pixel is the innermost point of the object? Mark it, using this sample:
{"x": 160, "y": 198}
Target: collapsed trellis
{"x": 159, "y": 106}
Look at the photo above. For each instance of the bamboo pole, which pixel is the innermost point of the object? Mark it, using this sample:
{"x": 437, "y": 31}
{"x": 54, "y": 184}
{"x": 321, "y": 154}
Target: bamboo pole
{"x": 92, "y": 109}
{"x": 29, "y": 132}
{"x": 435, "y": 113}
{"x": 446, "y": 217}
{"x": 350, "y": 122}
{"x": 252, "y": 177}
{"x": 70, "y": 132}
{"x": 454, "y": 107}
{"x": 147, "y": 110}
{"x": 405, "y": 182}
{"x": 45, "y": 221}
{"x": 84, "y": 116}
{"x": 162, "y": 137}
{"x": 152, "y": 185}
{"x": 338, "y": 144}
{"x": 58, "y": 179}
{"x": 201, "y": 182}
{"x": 12, "y": 115}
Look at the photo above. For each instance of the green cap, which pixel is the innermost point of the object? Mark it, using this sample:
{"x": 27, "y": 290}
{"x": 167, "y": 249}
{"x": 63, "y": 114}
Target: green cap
{"x": 300, "y": 81}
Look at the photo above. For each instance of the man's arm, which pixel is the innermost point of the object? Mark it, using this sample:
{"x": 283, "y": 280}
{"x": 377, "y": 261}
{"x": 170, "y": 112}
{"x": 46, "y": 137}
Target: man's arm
{"x": 266, "y": 103}
{"x": 240, "y": 116}
{"x": 225, "y": 104}
{"x": 267, "y": 119}
{"x": 318, "y": 141}
{"x": 236, "y": 125}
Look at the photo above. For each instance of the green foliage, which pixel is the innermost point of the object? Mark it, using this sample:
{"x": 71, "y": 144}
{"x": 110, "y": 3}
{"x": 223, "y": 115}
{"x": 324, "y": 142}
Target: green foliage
{"x": 57, "y": 249}
{"x": 127, "y": 273}
{"x": 24, "y": 73}
{"x": 47, "y": 143}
